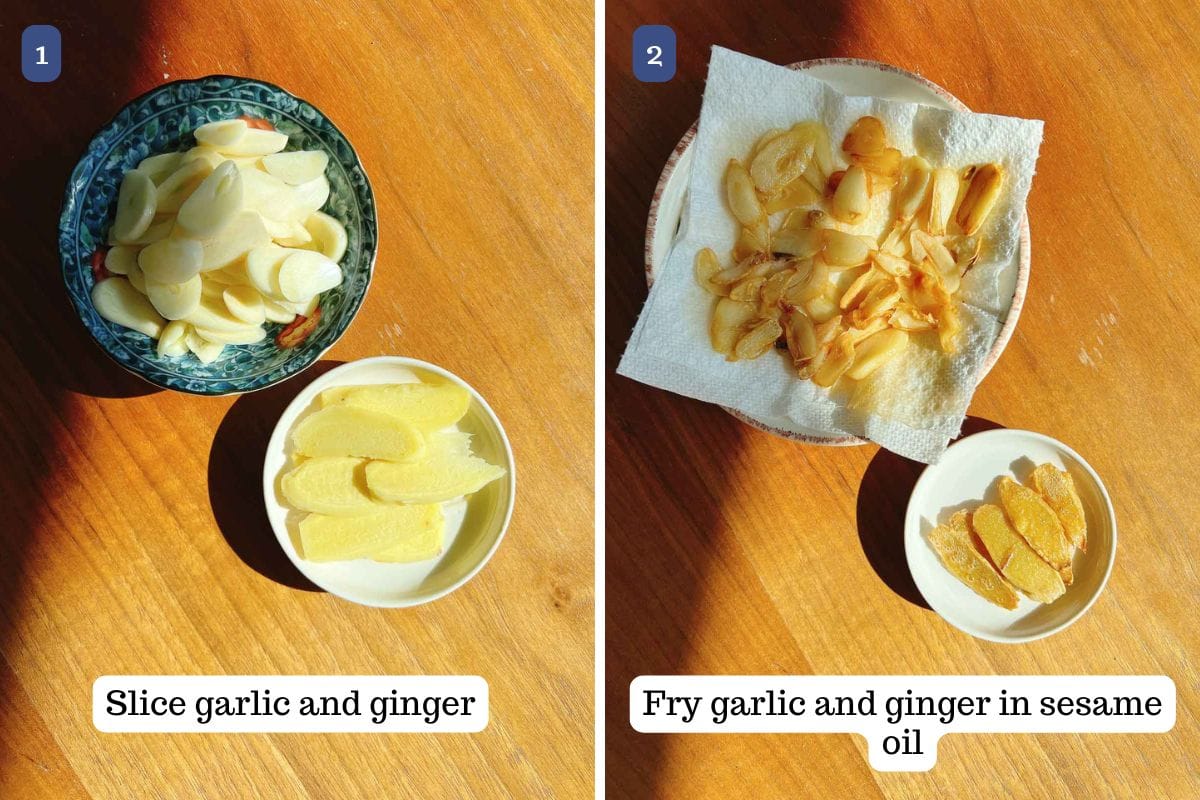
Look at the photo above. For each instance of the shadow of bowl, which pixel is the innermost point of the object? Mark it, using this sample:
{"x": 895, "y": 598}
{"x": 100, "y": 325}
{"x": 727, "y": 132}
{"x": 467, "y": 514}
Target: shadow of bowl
{"x": 235, "y": 478}
{"x": 882, "y": 501}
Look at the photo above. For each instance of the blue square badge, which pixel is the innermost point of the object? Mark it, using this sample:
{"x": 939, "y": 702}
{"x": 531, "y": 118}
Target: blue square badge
{"x": 654, "y": 53}
{"x": 41, "y": 53}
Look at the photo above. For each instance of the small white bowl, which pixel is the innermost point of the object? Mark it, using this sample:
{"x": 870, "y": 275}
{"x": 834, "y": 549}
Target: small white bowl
{"x": 966, "y": 476}
{"x": 474, "y": 525}
{"x": 854, "y": 77}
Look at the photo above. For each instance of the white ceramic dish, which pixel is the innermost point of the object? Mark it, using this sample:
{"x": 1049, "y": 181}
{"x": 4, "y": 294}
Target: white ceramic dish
{"x": 967, "y": 475}
{"x": 849, "y": 76}
{"x": 474, "y": 526}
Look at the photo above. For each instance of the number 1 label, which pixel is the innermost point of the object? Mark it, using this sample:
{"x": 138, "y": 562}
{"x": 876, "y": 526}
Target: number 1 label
{"x": 654, "y": 53}
{"x": 41, "y": 53}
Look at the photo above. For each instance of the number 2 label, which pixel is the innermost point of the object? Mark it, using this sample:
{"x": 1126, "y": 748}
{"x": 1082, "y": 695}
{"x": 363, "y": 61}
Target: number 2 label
{"x": 654, "y": 53}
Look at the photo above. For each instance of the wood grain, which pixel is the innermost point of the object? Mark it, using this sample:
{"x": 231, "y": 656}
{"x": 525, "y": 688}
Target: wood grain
{"x": 135, "y": 540}
{"x": 729, "y": 551}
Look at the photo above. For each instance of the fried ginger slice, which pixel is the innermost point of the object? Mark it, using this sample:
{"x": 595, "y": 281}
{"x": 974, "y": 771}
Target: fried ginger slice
{"x": 1057, "y": 488}
{"x": 1017, "y": 561}
{"x": 954, "y": 546}
{"x": 1038, "y": 525}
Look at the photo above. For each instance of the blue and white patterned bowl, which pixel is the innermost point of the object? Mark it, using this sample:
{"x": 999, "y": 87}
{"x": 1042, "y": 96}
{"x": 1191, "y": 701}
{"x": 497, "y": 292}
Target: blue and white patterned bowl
{"x": 160, "y": 121}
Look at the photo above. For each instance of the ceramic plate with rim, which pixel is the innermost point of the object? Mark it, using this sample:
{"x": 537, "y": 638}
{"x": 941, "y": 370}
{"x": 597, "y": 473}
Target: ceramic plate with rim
{"x": 966, "y": 476}
{"x": 161, "y": 121}
{"x": 474, "y": 525}
{"x": 850, "y": 76}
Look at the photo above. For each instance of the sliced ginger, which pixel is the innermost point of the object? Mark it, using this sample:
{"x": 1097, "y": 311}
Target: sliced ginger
{"x": 1057, "y": 488}
{"x": 1030, "y": 538}
{"x": 373, "y": 466}
{"x": 335, "y": 486}
{"x": 425, "y": 544}
{"x": 1038, "y": 525}
{"x": 357, "y": 432}
{"x": 434, "y": 480}
{"x": 952, "y": 542}
{"x": 416, "y": 529}
{"x": 425, "y": 406}
{"x": 1016, "y": 560}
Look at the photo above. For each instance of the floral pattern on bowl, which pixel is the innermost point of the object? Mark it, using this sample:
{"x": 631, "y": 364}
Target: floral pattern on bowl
{"x": 161, "y": 121}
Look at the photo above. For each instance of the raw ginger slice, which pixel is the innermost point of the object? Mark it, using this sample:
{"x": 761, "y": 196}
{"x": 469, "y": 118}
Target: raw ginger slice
{"x": 380, "y": 533}
{"x": 357, "y": 432}
{"x": 335, "y": 486}
{"x": 431, "y": 480}
{"x": 425, "y": 406}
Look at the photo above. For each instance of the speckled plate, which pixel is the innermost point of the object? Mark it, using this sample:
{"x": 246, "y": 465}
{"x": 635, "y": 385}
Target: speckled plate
{"x": 160, "y": 121}
{"x": 850, "y": 76}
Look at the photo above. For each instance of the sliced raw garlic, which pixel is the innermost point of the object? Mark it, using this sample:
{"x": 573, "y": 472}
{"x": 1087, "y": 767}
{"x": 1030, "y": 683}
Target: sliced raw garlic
{"x": 173, "y": 341}
{"x": 262, "y": 268}
{"x": 136, "y": 279}
{"x": 171, "y": 260}
{"x": 179, "y": 184}
{"x": 158, "y": 230}
{"x": 136, "y": 205}
{"x": 222, "y": 133}
{"x": 307, "y": 198}
{"x": 209, "y": 155}
{"x": 247, "y": 335}
{"x": 288, "y": 234}
{"x": 118, "y": 302}
{"x": 214, "y": 203}
{"x": 206, "y": 351}
{"x": 277, "y": 312}
{"x": 212, "y": 315}
{"x": 238, "y": 238}
{"x": 119, "y": 258}
{"x": 245, "y": 303}
{"x": 329, "y": 234}
{"x": 255, "y": 142}
{"x": 305, "y": 274}
{"x": 158, "y": 167}
{"x": 296, "y": 167}
{"x": 175, "y": 300}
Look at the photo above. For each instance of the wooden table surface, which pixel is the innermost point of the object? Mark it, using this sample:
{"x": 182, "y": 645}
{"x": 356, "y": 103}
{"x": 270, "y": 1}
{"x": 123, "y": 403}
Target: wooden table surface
{"x": 135, "y": 539}
{"x": 729, "y": 551}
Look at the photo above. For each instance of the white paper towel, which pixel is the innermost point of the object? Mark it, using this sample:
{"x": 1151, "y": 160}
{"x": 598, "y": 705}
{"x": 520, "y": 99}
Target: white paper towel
{"x": 915, "y": 404}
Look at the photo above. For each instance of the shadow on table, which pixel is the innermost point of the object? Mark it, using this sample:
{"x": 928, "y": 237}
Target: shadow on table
{"x": 46, "y": 356}
{"x": 235, "y": 465}
{"x": 882, "y": 502}
{"x": 667, "y": 458}
{"x": 665, "y": 528}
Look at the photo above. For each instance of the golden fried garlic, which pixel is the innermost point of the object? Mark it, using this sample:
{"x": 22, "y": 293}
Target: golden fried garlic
{"x": 783, "y": 286}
